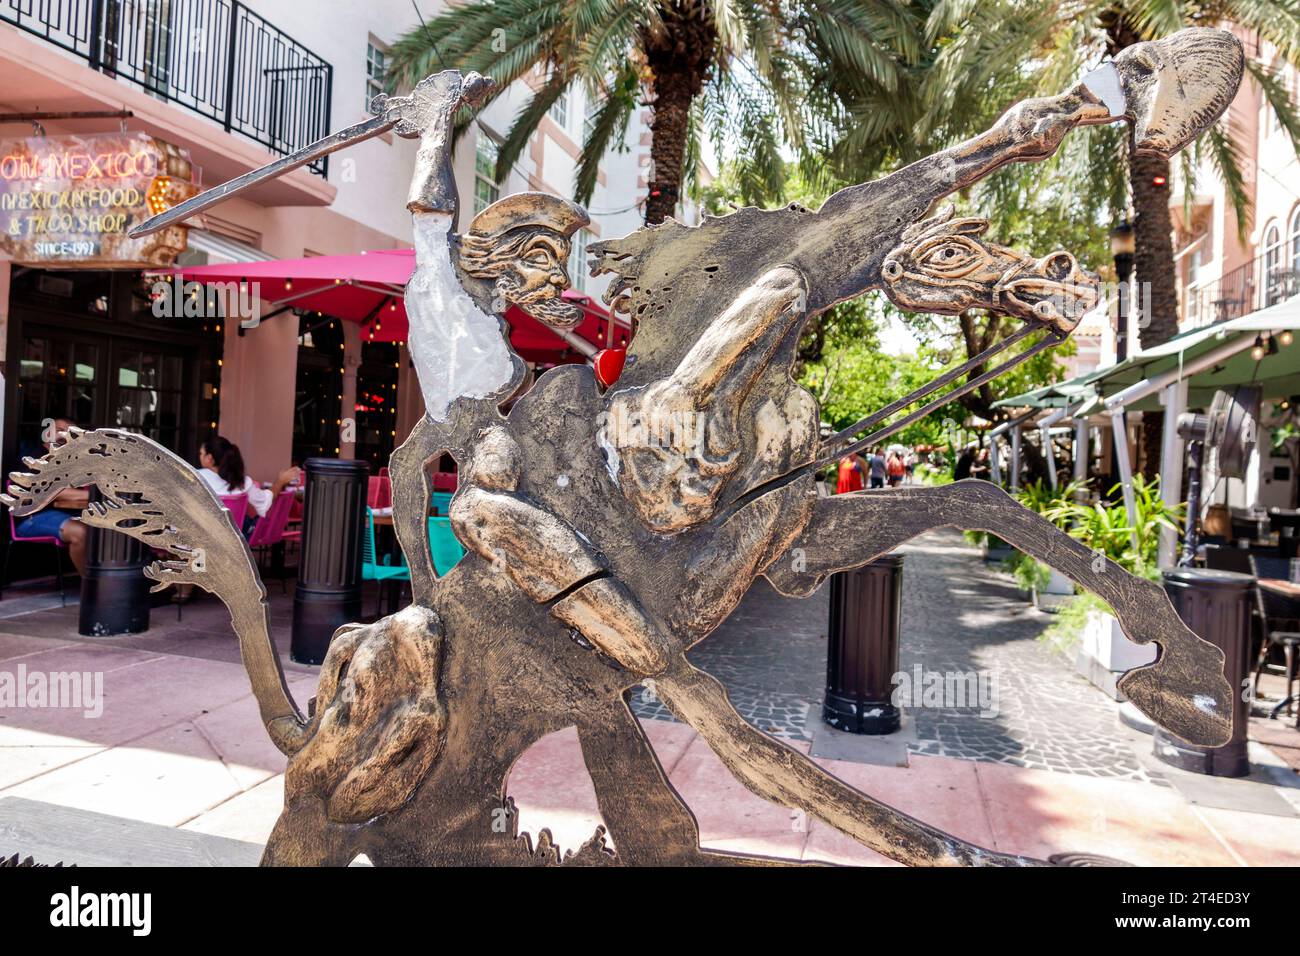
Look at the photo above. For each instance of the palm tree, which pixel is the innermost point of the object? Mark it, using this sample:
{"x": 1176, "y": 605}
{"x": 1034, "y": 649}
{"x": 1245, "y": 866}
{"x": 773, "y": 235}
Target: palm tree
{"x": 738, "y": 71}
{"x": 1018, "y": 48}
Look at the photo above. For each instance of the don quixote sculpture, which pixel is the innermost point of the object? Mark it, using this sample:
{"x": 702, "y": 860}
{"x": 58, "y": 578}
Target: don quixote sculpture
{"x": 610, "y": 525}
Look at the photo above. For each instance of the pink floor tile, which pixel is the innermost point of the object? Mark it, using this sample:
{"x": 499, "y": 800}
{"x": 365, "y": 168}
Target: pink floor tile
{"x": 137, "y": 700}
{"x": 248, "y": 816}
{"x": 727, "y": 811}
{"x": 828, "y": 845}
{"x": 168, "y": 778}
{"x": 670, "y": 741}
{"x": 785, "y": 847}
{"x": 236, "y": 732}
{"x": 940, "y": 791}
{"x": 17, "y": 645}
{"x": 1038, "y": 813}
{"x": 552, "y": 790}
{"x": 1257, "y": 839}
{"x": 25, "y": 762}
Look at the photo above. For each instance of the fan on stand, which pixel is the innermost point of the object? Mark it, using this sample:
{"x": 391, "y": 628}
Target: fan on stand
{"x": 1229, "y": 430}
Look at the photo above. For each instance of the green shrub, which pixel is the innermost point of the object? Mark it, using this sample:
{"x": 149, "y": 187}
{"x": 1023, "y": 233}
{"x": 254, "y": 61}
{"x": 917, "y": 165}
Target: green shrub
{"x": 1066, "y": 630}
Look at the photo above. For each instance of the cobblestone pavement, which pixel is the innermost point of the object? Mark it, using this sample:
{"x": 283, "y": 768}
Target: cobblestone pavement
{"x": 959, "y": 617}
{"x": 771, "y": 655}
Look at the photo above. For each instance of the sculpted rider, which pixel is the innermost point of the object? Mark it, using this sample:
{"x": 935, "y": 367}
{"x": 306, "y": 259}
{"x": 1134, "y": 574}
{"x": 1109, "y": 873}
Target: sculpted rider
{"x": 601, "y": 550}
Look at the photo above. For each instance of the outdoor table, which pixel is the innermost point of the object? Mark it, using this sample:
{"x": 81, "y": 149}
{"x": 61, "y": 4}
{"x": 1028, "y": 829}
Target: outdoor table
{"x": 1289, "y": 588}
{"x": 1292, "y": 590}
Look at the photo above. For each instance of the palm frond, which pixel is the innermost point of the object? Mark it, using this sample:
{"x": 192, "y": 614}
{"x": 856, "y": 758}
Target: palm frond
{"x": 1226, "y": 155}
{"x": 527, "y": 121}
{"x": 1273, "y": 85}
{"x": 610, "y": 126}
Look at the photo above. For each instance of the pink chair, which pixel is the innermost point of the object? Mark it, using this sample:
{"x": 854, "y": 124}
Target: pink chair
{"x": 379, "y": 493}
{"x": 237, "y": 505}
{"x": 16, "y": 538}
{"x": 270, "y": 528}
{"x": 444, "y": 481}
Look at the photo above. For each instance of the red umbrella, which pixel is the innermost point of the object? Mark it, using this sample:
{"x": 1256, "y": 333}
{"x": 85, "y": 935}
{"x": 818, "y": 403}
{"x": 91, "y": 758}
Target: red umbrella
{"x": 368, "y": 289}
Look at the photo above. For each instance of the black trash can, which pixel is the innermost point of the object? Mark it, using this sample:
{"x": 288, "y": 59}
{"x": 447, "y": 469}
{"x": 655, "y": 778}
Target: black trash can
{"x": 114, "y": 591}
{"x": 328, "y": 593}
{"x": 862, "y": 652}
{"x": 1217, "y": 606}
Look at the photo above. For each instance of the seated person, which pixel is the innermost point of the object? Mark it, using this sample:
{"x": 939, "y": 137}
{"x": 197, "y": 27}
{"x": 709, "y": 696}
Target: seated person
{"x": 59, "y": 518}
{"x": 221, "y": 466}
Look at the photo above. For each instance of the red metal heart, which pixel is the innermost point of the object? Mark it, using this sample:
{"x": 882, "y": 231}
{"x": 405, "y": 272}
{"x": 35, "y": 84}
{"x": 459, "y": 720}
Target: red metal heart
{"x": 609, "y": 365}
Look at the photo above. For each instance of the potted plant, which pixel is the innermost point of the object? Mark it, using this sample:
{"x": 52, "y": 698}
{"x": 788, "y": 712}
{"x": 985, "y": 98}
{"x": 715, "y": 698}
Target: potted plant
{"x": 1103, "y": 651}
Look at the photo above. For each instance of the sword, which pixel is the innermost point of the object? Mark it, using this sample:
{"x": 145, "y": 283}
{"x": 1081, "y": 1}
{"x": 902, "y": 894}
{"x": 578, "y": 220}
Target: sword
{"x": 431, "y": 102}
{"x": 322, "y": 147}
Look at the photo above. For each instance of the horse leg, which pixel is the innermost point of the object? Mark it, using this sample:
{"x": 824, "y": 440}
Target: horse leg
{"x": 412, "y": 490}
{"x": 774, "y": 772}
{"x": 1184, "y": 690}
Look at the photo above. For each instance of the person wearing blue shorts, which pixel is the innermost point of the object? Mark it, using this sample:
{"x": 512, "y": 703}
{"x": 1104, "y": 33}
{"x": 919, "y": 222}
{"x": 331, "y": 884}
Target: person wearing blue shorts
{"x": 59, "y": 519}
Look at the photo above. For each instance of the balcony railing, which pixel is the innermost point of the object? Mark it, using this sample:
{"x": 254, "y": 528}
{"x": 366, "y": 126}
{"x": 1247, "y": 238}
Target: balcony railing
{"x": 215, "y": 57}
{"x": 1264, "y": 281}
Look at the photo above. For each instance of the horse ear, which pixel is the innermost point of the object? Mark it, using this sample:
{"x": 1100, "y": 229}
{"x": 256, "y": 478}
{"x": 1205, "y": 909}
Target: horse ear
{"x": 919, "y": 229}
{"x": 971, "y": 226}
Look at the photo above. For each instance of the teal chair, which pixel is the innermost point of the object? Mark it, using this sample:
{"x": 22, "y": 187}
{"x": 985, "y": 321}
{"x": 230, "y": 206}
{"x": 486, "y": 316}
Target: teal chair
{"x": 371, "y": 569}
{"x": 444, "y": 548}
{"x": 441, "y": 501}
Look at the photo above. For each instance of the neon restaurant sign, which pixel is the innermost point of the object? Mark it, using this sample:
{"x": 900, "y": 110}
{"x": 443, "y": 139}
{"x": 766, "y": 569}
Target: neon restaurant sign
{"x": 69, "y": 201}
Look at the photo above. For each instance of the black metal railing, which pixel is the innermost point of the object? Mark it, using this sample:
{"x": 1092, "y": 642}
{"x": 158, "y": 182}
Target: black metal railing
{"x": 1265, "y": 281}
{"x": 215, "y": 57}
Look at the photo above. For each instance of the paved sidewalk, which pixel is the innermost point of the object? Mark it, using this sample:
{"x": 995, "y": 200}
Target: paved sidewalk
{"x": 180, "y": 744}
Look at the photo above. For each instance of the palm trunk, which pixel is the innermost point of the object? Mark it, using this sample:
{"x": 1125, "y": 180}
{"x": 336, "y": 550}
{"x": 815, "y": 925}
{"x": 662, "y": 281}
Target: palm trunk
{"x": 1157, "y": 283}
{"x": 668, "y": 134}
{"x": 1157, "y": 280}
{"x": 679, "y": 62}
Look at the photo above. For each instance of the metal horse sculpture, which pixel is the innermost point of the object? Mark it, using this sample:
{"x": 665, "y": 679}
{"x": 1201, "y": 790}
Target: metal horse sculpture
{"x": 609, "y": 530}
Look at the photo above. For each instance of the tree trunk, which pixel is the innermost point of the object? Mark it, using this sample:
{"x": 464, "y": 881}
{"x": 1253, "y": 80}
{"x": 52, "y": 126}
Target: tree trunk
{"x": 1157, "y": 283}
{"x": 679, "y": 62}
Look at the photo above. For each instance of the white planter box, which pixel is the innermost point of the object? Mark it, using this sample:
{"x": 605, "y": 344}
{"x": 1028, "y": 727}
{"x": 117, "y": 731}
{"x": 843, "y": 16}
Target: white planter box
{"x": 1058, "y": 583}
{"x": 1105, "y": 644}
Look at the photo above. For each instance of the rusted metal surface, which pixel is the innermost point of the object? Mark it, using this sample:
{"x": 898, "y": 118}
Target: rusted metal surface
{"x": 609, "y": 530}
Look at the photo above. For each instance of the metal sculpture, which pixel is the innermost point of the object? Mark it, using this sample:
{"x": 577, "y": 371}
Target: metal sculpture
{"x": 609, "y": 530}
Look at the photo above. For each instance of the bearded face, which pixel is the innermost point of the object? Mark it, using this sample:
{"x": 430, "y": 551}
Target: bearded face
{"x": 528, "y": 266}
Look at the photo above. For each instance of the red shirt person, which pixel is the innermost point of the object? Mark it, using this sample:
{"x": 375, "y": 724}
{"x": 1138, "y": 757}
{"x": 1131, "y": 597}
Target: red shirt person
{"x": 852, "y": 470}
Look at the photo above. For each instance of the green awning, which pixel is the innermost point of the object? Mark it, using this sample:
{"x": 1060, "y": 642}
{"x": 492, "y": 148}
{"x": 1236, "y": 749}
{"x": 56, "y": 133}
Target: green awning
{"x": 1279, "y": 373}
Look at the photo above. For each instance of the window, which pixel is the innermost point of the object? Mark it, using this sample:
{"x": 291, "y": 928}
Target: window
{"x": 1295, "y": 241}
{"x": 376, "y": 68}
{"x": 1272, "y": 265}
{"x": 594, "y": 105}
{"x": 560, "y": 111}
{"x": 486, "y": 188}
{"x": 578, "y": 261}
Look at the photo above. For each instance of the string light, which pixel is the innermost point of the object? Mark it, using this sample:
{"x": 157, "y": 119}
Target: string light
{"x": 1286, "y": 337}
{"x": 1258, "y": 352}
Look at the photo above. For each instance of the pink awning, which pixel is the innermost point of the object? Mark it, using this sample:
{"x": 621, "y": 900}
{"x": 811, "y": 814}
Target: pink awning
{"x": 367, "y": 288}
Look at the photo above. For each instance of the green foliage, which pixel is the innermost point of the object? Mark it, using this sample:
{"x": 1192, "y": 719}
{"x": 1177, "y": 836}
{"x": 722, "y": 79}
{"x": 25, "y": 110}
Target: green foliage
{"x": 854, "y": 379}
{"x": 931, "y": 475}
{"x": 1052, "y": 503}
{"x": 990, "y": 54}
{"x": 1105, "y": 527}
{"x": 1071, "y": 618}
{"x": 1030, "y": 574}
{"x": 756, "y": 66}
